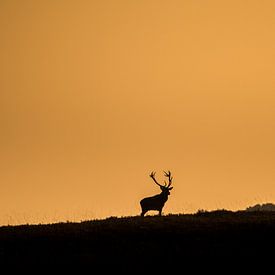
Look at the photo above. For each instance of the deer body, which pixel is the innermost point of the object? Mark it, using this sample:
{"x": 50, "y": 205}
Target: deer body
{"x": 153, "y": 203}
{"x": 157, "y": 202}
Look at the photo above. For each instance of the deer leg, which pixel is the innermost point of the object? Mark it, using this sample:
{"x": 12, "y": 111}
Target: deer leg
{"x": 143, "y": 213}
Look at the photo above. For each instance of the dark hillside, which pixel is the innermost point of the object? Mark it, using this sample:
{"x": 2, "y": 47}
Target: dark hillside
{"x": 219, "y": 236}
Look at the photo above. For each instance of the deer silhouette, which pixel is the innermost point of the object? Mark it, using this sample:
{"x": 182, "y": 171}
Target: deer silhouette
{"x": 157, "y": 202}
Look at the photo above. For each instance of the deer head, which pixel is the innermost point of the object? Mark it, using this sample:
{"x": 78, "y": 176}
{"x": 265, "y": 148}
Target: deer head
{"x": 166, "y": 187}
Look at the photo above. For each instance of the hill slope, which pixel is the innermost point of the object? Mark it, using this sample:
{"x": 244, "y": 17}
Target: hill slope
{"x": 140, "y": 242}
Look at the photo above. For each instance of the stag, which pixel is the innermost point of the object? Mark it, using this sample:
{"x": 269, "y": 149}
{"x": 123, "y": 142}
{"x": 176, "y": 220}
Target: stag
{"x": 157, "y": 202}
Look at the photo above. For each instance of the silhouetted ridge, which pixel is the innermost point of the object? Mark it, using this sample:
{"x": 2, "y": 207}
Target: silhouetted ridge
{"x": 139, "y": 242}
{"x": 261, "y": 207}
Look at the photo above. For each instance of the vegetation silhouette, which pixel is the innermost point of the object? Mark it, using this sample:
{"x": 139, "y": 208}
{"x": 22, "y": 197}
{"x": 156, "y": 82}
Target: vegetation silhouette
{"x": 157, "y": 202}
{"x": 262, "y": 207}
{"x": 135, "y": 243}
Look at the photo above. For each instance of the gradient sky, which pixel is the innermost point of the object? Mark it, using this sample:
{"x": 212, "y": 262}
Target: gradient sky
{"x": 94, "y": 95}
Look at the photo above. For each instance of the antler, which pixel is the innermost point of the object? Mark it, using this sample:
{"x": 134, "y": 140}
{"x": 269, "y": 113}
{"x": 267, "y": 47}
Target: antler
{"x": 168, "y": 175}
{"x": 152, "y": 175}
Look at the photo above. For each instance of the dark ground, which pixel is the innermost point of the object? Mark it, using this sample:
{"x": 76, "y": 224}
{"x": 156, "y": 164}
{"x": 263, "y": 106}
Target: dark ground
{"x": 207, "y": 239}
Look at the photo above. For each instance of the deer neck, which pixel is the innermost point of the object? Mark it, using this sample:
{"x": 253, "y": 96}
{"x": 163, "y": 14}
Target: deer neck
{"x": 164, "y": 196}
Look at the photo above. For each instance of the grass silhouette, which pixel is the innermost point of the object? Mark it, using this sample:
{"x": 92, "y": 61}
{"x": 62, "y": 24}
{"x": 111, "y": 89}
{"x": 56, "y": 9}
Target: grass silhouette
{"x": 137, "y": 242}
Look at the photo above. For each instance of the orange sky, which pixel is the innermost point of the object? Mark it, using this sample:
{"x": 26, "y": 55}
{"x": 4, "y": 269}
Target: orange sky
{"x": 96, "y": 94}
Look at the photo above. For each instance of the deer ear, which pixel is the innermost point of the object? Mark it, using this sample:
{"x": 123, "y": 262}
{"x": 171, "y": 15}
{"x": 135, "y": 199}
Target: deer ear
{"x": 170, "y": 188}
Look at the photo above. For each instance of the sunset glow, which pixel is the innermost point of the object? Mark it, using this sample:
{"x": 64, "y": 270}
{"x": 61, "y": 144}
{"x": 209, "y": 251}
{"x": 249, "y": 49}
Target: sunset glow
{"x": 94, "y": 95}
